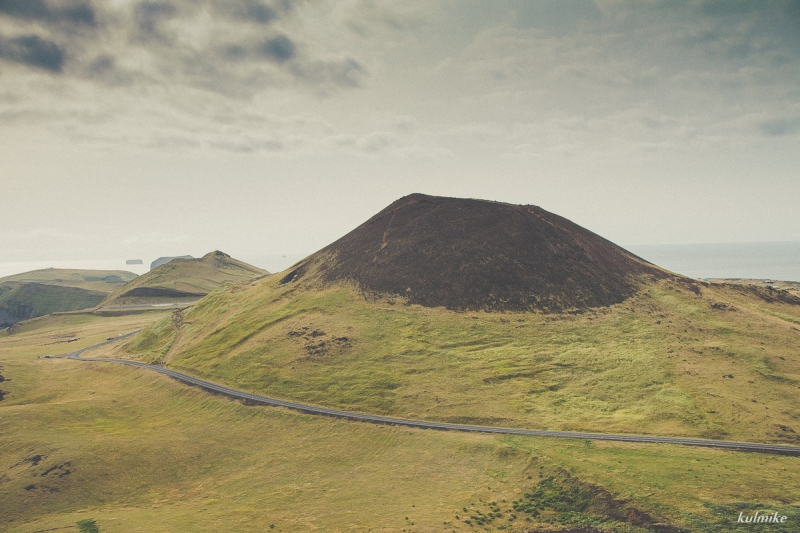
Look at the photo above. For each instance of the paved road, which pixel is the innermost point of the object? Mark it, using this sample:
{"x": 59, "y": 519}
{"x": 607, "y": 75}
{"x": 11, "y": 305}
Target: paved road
{"x": 144, "y": 306}
{"x": 255, "y": 399}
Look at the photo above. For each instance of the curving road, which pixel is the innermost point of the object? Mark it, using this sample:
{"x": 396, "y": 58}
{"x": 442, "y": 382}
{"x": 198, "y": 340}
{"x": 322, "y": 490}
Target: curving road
{"x": 255, "y": 399}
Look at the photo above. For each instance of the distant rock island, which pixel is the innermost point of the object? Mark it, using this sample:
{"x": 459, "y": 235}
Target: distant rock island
{"x": 164, "y": 260}
{"x": 134, "y": 262}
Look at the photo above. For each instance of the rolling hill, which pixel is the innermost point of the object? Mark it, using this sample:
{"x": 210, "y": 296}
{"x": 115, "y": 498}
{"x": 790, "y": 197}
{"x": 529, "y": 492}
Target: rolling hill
{"x": 41, "y": 292}
{"x": 96, "y": 280}
{"x": 612, "y": 343}
{"x": 182, "y": 280}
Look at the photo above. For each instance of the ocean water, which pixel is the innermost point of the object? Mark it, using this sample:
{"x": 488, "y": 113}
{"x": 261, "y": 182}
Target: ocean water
{"x": 759, "y": 260}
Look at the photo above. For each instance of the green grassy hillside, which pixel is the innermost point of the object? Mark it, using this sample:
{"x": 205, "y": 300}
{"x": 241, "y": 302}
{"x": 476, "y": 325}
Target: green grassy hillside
{"x": 135, "y": 451}
{"x": 30, "y": 300}
{"x": 183, "y": 280}
{"x": 679, "y": 358}
{"x": 96, "y": 280}
{"x": 40, "y": 292}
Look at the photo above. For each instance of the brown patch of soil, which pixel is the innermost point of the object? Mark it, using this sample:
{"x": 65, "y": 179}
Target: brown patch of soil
{"x": 59, "y": 471}
{"x": 595, "y": 500}
{"x": 480, "y": 255}
{"x": 785, "y": 433}
{"x": 582, "y": 530}
{"x": 770, "y": 295}
{"x": 317, "y": 343}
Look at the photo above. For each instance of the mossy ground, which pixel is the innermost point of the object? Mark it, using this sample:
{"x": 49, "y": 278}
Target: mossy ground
{"x": 136, "y": 451}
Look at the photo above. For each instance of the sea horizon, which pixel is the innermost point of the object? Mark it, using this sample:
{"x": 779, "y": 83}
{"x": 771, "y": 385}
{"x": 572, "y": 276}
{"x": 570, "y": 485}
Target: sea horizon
{"x": 757, "y": 260}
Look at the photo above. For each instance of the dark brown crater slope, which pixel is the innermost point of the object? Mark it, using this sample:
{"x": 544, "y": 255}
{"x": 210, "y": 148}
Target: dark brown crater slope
{"x": 480, "y": 255}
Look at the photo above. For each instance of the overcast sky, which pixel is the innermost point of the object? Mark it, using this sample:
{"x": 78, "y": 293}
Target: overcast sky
{"x": 136, "y": 129}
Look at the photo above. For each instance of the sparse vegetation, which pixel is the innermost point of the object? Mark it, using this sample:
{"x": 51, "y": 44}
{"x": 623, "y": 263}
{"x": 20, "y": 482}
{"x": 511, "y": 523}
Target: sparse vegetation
{"x": 88, "y": 526}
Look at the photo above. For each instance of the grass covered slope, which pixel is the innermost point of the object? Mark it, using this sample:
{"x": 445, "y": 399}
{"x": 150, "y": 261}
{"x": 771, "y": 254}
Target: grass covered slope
{"x": 183, "y": 280}
{"x": 512, "y": 316}
{"x": 678, "y": 358}
{"x": 480, "y": 255}
{"x": 30, "y": 300}
{"x": 135, "y": 451}
{"x": 41, "y": 292}
{"x": 97, "y": 280}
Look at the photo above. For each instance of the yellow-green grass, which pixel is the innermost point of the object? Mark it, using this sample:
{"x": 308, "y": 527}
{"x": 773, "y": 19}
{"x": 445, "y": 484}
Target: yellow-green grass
{"x": 720, "y": 364}
{"x": 184, "y": 278}
{"x": 61, "y": 334}
{"x": 41, "y": 292}
{"x": 146, "y": 453}
{"x": 30, "y": 300}
{"x": 94, "y": 280}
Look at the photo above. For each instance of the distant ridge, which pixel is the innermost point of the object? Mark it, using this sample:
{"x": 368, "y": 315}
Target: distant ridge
{"x": 164, "y": 260}
{"x": 183, "y": 280}
{"x": 41, "y": 292}
{"x": 480, "y": 255}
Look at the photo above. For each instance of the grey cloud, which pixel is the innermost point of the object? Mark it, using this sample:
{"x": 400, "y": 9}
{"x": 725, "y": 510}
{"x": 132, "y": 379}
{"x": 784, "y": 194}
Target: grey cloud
{"x": 76, "y": 14}
{"x": 554, "y": 15}
{"x": 365, "y": 16}
{"x": 549, "y": 16}
{"x": 235, "y": 52}
{"x": 726, "y": 8}
{"x": 780, "y": 127}
{"x": 173, "y": 142}
{"x": 247, "y": 146}
{"x": 247, "y": 10}
{"x": 233, "y": 56}
{"x": 102, "y": 65}
{"x": 342, "y": 73}
{"x": 148, "y": 17}
{"x": 740, "y": 30}
{"x": 104, "y": 68}
{"x": 279, "y": 49}
{"x": 231, "y": 60}
{"x": 34, "y": 51}
{"x": 377, "y": 142}
{"x": 276, "y": 49}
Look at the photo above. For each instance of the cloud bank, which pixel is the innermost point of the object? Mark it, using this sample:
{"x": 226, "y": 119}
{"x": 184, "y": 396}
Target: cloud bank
{"x": 236, "y": 48}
